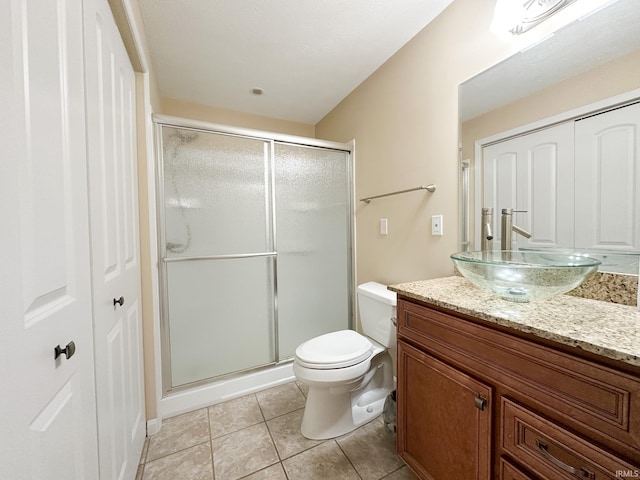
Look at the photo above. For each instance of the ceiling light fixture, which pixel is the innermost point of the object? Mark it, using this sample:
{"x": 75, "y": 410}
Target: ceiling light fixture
{"x": 519, "y": 16}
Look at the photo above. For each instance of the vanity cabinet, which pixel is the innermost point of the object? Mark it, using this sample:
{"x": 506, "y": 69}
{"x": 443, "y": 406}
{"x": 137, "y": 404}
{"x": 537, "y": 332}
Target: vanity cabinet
{"x": 446, "y": 409}
{"x": 478, "y": 401}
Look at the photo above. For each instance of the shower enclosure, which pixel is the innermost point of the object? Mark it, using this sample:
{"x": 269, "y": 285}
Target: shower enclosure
{"x": 255, "y": 245}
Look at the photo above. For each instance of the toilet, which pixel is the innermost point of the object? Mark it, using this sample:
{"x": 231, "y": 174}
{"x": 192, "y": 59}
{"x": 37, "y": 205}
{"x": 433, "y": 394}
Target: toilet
{"x": 349, "y": 375}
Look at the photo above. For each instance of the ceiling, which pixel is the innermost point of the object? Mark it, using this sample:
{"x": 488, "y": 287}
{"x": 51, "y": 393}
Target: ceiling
{"x": 307, "y": 55}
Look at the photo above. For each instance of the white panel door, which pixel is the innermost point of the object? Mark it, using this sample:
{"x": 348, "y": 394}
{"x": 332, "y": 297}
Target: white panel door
{"x": 607, "y": 180}
{"x": 500, "y": 182}
{"x": 47, "y": 406}
{"x": 115, "y": 260}
{"x": 534, "y": 173}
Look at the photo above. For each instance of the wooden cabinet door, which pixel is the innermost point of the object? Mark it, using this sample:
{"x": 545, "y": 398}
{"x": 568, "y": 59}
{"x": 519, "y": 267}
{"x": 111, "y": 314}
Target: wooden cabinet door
{"x": 444, "y": 418}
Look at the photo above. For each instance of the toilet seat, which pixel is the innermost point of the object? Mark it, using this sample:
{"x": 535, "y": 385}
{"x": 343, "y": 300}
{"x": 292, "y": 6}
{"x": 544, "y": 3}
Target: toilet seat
{"x": 341, "y": 349}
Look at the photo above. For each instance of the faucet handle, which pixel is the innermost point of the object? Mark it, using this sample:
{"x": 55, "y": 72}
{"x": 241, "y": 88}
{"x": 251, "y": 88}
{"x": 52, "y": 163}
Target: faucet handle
{"x": 509, "y": 211}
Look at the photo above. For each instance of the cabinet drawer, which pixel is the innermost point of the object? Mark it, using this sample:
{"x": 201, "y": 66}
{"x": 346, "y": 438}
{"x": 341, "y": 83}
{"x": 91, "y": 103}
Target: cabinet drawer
{"x": 593, "y": 399}
{"x": 552, "y": 452}
{"x": 508, "y": 471}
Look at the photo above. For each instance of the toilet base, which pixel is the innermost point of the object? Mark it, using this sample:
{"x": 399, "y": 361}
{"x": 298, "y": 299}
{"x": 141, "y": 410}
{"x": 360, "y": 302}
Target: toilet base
{"x": 337, "y": 410}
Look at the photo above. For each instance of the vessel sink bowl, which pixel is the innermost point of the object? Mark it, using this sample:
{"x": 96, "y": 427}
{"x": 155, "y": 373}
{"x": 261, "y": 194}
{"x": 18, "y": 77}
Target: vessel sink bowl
{"x": 520, "y": 276}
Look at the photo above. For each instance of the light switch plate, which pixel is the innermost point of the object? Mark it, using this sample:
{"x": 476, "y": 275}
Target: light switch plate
{"x": 384, "y": 226}
{"x": 436, "y": 225}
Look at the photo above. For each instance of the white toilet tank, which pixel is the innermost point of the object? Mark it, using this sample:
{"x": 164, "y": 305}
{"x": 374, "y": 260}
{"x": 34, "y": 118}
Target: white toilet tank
{"x": 377, "y": 307}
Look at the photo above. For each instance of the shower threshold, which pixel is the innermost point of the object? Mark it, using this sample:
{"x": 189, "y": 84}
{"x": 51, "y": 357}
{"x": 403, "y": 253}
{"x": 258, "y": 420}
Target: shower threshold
{"x": 220, "y": 389}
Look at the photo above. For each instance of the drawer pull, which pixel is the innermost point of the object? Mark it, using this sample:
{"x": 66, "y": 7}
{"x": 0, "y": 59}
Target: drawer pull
{"x": 578, "y": 472}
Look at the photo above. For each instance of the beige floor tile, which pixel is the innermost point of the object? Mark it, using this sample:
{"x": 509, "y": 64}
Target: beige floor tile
{"x": 243, "y": 452}
{"x": 402, "y": 474}
{"x": 323, "y": 462}
{"x": 285, "y": 431}
{"x": 372, "y": 450}
{"x": 234, "y": 415}
{"x": 193, "y": 464}
{"x": 280, "y": 400}
{"x": 178, "y": 433}
{"x": 274, "y": 472}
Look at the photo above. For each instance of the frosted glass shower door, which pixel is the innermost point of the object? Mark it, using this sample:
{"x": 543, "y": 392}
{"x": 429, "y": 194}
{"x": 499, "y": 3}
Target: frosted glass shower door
{"x": 218, "y": 254}
{"x": 313, "y": 238}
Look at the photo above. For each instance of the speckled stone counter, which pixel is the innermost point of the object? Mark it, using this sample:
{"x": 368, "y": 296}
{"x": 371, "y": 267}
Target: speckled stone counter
{"x": 609, "y": 287}
{"x": 606, "y": 329}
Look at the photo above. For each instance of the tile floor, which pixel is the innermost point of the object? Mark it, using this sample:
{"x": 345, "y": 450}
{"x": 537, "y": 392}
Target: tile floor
{"x": 257, "y": 437}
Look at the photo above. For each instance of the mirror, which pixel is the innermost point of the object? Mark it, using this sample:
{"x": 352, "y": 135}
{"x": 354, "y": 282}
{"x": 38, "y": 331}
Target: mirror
{"x": 586, "y": 67}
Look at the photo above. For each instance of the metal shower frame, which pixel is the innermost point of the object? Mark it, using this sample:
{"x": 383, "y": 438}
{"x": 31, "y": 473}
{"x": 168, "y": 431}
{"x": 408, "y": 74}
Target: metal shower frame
{"x": 272, "y": 138}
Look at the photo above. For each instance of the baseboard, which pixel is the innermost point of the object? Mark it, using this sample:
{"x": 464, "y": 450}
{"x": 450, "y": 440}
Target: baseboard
{"x": 153, "y": 427}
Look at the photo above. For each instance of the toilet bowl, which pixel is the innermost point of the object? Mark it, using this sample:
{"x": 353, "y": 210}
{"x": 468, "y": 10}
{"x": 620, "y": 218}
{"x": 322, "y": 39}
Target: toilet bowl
{"x": 349, "y": 375}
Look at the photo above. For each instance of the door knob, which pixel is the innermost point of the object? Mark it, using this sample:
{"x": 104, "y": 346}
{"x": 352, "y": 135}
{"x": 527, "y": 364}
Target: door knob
{"x": 118, "y": 301}
{"x": 68, "y": 351}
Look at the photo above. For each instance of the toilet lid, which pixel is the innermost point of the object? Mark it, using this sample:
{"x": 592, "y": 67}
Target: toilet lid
{"x": 334, "y": 350}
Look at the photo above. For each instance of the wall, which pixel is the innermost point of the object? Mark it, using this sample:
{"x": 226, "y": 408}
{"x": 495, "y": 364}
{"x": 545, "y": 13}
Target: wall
{"x": 205, "y": 113}
{"x": 404, "y": 119}
{"x": 405, "y": 125}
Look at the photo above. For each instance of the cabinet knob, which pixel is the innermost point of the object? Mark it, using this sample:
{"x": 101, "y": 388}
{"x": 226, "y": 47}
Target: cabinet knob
{"x": 481, "y": 403}
{"x": 68, "y": 351}
{"x": 119, "y": 301}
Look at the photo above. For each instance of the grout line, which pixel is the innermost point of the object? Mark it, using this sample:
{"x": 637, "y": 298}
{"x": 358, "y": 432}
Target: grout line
{"x": 273, "y": 442}
{"x": 260, "y": 406}
{"x": 347, "y": 457}
{"x": 299, "y": 388}
{"x": 178, "y": 451}
{"x": 213, "y": 469}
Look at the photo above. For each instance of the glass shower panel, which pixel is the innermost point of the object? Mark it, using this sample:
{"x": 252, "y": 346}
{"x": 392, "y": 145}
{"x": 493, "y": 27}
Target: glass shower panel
{"x": 220, "y": 317}
{"x": 219, "y": 311}
{"x": 215, "y": 193}
{"x": 313, "y": 241}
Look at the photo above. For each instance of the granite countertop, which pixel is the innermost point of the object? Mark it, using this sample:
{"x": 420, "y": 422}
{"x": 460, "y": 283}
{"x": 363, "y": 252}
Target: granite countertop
{"x": 603, "y": 328}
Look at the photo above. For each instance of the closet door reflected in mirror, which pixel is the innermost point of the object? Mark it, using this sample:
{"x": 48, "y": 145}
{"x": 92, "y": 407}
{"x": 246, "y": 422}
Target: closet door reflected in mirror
{"x": 533, "y": 173}
{"x": 607, "y": 180}
{"x": 577, "y": 182}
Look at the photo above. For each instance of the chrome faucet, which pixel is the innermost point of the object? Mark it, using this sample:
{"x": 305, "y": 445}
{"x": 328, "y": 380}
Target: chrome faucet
{"x": 508, "y": 227}
{"x": 486, "y": 238}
